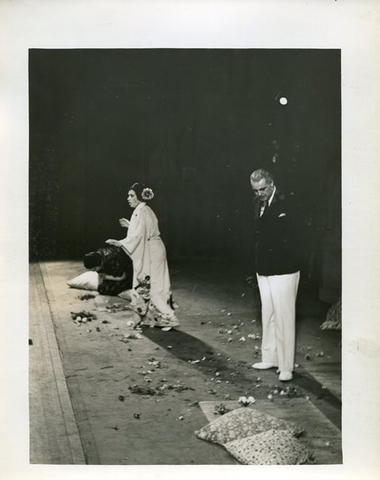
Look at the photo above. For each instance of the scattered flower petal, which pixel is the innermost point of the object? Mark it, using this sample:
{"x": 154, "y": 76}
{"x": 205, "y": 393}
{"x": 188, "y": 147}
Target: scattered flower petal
{"x": 246, "y": 401}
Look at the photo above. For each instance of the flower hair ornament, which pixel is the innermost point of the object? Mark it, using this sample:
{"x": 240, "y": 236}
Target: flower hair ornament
{"x": 147, "y": 194}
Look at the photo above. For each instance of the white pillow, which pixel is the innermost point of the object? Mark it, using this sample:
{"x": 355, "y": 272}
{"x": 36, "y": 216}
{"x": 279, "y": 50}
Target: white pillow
{"x": 86, "y": 281}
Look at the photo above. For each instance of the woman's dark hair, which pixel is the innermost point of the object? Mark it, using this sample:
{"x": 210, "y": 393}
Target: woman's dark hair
{"x": 143, "y": 192}
{"x": 92, "y": 260}
{"x": 138, "y": 188}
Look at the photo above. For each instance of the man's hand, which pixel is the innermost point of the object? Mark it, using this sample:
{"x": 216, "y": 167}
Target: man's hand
{"x": 124, "y": 222}
{"x": 113, "y": 242}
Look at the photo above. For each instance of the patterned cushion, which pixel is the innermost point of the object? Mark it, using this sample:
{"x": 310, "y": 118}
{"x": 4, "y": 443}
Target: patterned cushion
{"x": 243, "y": 422}
{"x": 333, "y": 317}
{"x": 273, "y": 447}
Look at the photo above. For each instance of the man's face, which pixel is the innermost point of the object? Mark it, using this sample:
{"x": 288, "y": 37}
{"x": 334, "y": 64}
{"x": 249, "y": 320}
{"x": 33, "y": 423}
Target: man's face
{"x": 262, "y": 189}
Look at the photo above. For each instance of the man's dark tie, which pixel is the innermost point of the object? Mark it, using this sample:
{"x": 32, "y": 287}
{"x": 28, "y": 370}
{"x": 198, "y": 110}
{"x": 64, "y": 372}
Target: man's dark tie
{"x": 264, "y": 205}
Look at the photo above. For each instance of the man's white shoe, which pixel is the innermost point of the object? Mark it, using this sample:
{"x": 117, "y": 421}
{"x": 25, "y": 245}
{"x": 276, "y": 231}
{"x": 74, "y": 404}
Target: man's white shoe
{"x": 263, "y": 365}
{"x": 285, "y": 376}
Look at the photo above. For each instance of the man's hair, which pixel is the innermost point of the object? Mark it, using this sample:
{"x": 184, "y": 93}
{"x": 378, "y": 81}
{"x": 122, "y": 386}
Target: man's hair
{"x": 260, "y": 174}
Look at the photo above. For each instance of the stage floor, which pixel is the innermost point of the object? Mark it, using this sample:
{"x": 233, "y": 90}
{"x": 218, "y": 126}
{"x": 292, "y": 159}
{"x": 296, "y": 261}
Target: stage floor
{"x": 99, "y": 397}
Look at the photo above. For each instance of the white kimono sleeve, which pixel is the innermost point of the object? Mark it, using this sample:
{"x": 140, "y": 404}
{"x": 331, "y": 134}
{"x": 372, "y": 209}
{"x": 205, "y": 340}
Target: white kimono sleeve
{"x": 135, "y": 245}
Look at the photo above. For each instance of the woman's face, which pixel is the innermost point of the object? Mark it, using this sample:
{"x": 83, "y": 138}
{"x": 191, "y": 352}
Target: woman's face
{"x": 132, "y": 199}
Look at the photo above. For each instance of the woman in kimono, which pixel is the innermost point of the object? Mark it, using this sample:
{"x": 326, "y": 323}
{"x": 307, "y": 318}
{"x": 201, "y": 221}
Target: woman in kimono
{"x": 151, "y": 294}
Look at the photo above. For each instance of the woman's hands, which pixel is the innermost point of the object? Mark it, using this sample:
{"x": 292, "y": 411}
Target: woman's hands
{"x": 124, "y": 222}
{"x": 113, "y": 242}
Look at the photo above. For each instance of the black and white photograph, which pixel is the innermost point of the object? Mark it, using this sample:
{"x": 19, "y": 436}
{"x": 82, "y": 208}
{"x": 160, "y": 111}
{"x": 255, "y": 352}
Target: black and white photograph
{"x": 188, "y": 286}
{"x": 174, "y": 297}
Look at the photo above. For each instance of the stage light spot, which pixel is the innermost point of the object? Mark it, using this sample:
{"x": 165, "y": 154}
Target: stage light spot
{"x": 283, "y": 100}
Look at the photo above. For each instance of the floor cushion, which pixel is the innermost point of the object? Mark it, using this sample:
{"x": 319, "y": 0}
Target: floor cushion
{"x": 241, "y": 423}
{"x": 273, "y": 447}
{"x": 333, "y": 317}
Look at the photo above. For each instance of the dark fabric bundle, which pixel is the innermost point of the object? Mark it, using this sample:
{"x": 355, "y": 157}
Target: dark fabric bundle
{"x": 113, "y": 261}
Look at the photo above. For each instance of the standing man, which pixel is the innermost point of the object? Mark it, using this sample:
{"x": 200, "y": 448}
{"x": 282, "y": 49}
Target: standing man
{"x": 277, "y": 269}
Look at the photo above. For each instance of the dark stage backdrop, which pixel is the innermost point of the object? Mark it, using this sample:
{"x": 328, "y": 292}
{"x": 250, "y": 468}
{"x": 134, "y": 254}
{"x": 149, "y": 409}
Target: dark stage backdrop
{"x": 193, "y": 124}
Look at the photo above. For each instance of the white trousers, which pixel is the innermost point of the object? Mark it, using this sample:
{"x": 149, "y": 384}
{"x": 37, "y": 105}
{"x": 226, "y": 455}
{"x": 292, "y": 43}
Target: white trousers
{"x": 278, "y": 313}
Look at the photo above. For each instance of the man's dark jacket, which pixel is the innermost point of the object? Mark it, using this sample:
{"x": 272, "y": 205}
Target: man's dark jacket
{"x": 278, "y": 236}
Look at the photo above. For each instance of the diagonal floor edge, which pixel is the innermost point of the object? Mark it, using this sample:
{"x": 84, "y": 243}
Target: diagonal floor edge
{"x": 52, "y": 418}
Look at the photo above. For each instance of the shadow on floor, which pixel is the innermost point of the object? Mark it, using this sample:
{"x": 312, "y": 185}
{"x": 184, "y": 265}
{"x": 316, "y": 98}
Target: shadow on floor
{"x": 187, "y": 347}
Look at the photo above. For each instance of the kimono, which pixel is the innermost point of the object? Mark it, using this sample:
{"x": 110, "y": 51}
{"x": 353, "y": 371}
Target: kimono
{"x": 113, "y": 262}
{"x": 151, "y": 294}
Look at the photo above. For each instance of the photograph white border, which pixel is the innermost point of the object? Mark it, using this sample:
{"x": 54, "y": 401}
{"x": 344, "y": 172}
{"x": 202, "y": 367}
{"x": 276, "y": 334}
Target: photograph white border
{"x": 353, "y": 27}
